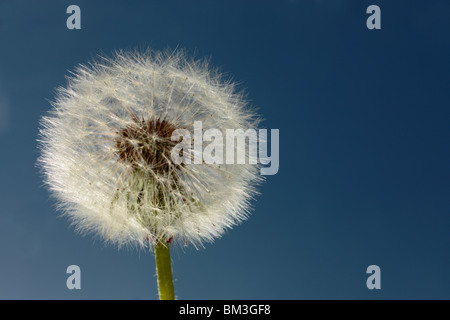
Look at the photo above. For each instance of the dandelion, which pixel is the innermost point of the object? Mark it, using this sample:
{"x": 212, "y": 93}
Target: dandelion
{"x": 106, "y": 153}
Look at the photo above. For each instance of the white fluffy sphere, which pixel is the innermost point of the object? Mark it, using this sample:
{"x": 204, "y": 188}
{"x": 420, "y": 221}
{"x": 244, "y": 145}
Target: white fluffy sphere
{"x": 106, "y": 150}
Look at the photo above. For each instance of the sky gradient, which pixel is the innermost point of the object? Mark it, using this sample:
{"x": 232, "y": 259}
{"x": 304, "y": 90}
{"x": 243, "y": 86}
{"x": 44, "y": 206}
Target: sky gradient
{"x": 364, "y": 173}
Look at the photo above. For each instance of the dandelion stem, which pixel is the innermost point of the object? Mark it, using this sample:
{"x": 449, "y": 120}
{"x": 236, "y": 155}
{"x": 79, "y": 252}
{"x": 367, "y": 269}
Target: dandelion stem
{"x": 164, "y": 271}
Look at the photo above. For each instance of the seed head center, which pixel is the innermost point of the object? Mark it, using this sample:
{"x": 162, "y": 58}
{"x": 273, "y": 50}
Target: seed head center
{"x": 146, "y": 144}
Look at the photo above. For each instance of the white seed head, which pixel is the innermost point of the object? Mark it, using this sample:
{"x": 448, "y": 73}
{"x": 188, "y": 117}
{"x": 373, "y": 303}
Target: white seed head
{"x": 106, "y": 148}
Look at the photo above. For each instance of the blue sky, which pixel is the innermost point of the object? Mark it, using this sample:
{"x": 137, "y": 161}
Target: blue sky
{"x": 364, "y": 148}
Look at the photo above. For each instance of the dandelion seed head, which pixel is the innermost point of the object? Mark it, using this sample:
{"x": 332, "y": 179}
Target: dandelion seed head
{"x": 106, "y": 150}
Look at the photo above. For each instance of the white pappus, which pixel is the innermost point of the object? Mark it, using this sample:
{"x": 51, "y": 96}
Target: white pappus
{"x": 106, "y": 143}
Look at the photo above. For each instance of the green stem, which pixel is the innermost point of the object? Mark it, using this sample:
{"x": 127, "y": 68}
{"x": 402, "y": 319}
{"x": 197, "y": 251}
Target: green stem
{"x": 164, "y": 271}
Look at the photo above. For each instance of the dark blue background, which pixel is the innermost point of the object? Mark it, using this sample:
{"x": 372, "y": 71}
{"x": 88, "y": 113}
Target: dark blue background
{"x": 364, "y": 148}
